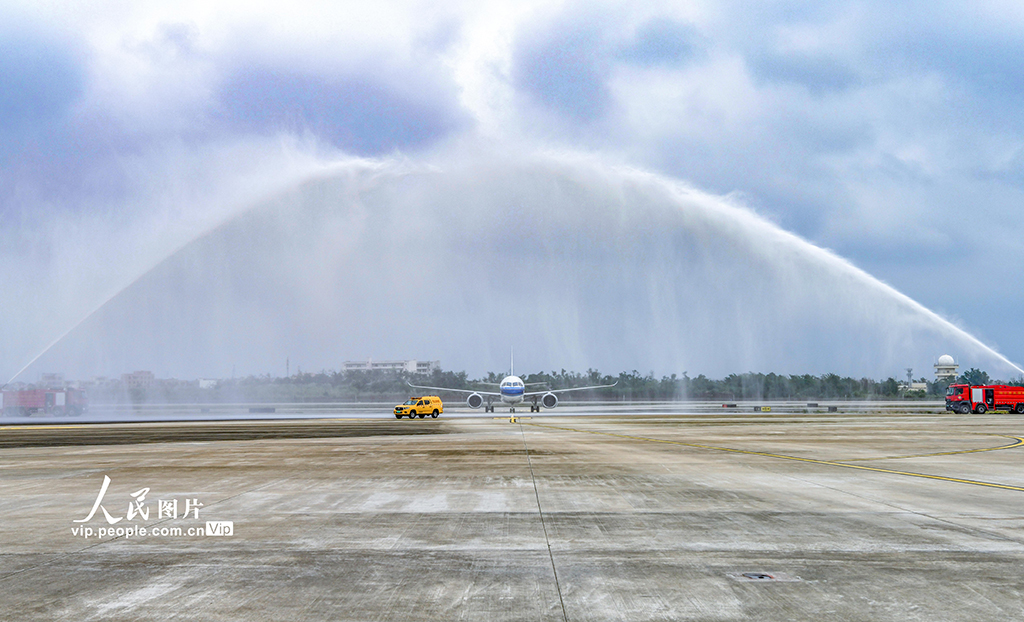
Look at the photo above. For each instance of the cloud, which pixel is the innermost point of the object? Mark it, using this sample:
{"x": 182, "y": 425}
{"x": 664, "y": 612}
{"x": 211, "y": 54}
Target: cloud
{"x": 874, "y": 129}
{"x": 818, "y": 74}
{"x": 662, "y": 41}
{"x": 42, "y": 79}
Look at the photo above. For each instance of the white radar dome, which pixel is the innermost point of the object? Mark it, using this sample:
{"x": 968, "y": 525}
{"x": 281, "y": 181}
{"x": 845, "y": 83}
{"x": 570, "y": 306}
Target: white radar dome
{"x": 946, "y": 359}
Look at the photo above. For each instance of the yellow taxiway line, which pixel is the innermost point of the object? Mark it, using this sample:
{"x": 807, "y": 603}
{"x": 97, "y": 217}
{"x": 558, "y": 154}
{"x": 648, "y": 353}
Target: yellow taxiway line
{"x": 1018, "y": 443}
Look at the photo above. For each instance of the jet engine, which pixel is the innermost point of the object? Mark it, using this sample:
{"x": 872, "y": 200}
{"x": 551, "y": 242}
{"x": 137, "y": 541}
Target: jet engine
{"x": 550, "y": 400}
{"x": 475, "y": 400}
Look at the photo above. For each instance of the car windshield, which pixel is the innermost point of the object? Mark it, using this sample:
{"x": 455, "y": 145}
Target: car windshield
{"x": 410, "y": 403}
{"x": 955, "y": 391}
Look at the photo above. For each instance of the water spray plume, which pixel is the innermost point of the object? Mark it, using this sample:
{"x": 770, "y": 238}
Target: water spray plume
{"x": 577, "y": 262}
{"x": 321, "y": 169}
{"x": 840, "y": 265}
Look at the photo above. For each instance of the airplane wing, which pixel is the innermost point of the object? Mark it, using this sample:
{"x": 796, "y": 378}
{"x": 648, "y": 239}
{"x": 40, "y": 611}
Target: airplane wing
{"x": 600, "y": 386}
{"x": 466, "y": 391}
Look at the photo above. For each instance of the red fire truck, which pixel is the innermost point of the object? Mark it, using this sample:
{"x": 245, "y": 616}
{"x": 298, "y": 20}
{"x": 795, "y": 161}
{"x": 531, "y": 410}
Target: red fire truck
{"x": 50, "y": 401}
{"x": 978, "y": 399}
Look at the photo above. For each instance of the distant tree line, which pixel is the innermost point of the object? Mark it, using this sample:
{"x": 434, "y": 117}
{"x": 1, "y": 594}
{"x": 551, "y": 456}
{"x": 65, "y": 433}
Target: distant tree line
{"x": 378, "y": 385}
{"x": 753, "y": 386}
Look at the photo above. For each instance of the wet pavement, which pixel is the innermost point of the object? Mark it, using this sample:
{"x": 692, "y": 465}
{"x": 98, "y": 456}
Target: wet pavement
{"x": 732, "y": 516}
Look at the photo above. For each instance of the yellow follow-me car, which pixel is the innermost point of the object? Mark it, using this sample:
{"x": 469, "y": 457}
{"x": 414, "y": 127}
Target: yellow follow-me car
{"x": 420, "y": 407}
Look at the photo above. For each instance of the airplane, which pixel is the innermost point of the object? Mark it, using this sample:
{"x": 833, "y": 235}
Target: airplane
{"x": 512, "y": 391}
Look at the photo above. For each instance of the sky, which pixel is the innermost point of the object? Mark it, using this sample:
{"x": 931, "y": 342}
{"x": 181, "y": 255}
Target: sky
{"x": 132, "y": 132}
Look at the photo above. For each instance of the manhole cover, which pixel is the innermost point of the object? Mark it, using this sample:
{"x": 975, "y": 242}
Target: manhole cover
{"x": 763, "y": 577}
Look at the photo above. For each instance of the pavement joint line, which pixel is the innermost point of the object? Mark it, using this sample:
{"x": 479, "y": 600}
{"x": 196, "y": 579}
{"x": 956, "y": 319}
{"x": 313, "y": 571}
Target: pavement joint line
{"x": 540, "y": 510}
{"x": 809, "y": 460}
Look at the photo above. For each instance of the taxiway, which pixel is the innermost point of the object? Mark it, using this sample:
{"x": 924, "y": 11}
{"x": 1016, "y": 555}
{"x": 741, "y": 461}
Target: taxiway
{"x": 604, "y": 515}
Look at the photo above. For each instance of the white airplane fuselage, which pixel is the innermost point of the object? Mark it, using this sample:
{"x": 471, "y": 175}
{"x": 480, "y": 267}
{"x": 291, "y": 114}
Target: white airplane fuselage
{"x": 512, "y": 390}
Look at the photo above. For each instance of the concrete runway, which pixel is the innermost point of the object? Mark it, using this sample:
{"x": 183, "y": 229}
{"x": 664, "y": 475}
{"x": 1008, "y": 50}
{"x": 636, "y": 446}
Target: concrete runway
{"x": 701, "y": 516}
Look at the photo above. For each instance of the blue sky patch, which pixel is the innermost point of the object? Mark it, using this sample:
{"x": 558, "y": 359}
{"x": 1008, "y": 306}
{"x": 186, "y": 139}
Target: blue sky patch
{"x": 353, "y": 113}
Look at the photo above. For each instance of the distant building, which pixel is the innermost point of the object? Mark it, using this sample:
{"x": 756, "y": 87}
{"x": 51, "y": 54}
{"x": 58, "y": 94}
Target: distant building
{"x": 915, "y": 386}
{"x": 412, "y": 366}
{"x": 207, "y": 383}
{"x": 946, "y": 368}
{"x": 138, "y": 379}
{"x": 51, "y": 379}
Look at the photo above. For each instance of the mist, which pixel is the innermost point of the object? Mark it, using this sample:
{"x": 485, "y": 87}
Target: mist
{"x": 458, "y": 255}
